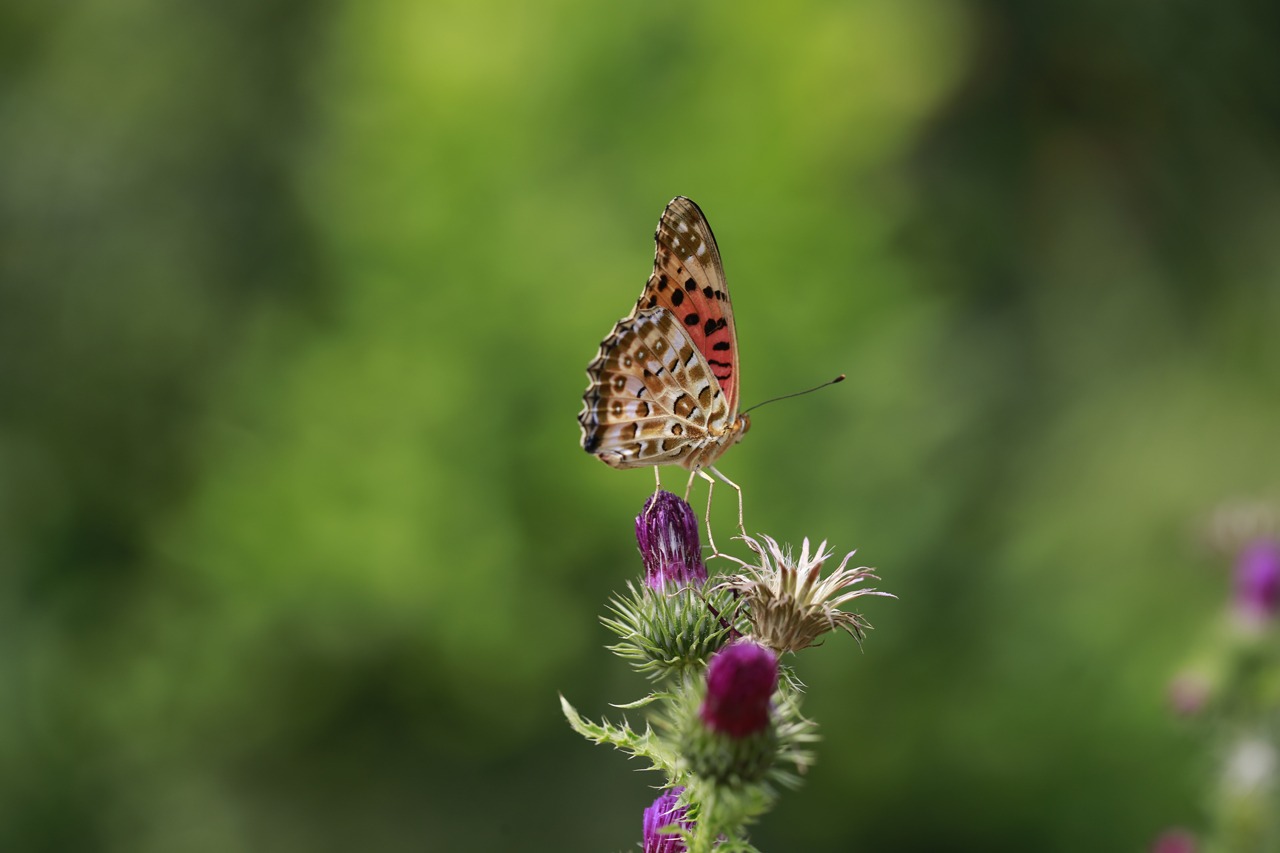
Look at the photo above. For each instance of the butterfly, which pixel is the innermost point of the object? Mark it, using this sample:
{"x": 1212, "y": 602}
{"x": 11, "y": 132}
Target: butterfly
{"x": 664, "y": 387}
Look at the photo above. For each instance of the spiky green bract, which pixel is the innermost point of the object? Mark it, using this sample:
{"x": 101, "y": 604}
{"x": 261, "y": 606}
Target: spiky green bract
{"x": 670, "y": 631}
{"x": 721, "y": 814}
{"x": 733, "y": 761}
{"x": 660, "y": 753}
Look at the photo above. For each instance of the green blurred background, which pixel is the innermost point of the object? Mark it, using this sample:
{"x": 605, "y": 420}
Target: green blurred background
{"x": 297, "y": 543}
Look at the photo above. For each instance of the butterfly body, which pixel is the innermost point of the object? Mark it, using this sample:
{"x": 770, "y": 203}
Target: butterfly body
{"x": 664, "y": 386}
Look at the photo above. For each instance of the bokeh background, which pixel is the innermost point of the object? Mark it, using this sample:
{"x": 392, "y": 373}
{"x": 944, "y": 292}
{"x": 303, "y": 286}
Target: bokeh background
{"x": 297, "y": 541}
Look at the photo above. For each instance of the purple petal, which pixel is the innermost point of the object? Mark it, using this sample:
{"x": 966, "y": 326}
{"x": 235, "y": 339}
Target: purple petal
{"x": 667, "y": 531}
{"x": 664, "y": 812}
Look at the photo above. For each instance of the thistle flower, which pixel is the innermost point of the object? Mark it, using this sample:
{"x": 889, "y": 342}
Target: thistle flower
{"x": 1174, "y": 841}
{"x": 669, "y": 624}
{"x": 728, "y": 733}
{"x": 663, "y": 813}
{"x": 740, "y": 680}
{"x": 1257, "y": 580}
{"x": 667, "y": 531}
{"x": 788, "y": 602}
{"x": 1189, "y": 692}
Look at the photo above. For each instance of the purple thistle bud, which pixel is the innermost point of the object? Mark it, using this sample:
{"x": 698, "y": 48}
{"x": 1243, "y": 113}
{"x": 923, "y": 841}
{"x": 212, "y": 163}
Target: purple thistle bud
{"x": 664, "y": 812}
{"x": 1257, "y": 579}
{"x": 741, "y": 679}
{"x": 667, "y": 531}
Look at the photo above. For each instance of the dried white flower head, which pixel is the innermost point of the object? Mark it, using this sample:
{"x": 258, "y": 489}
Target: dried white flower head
{"x": 1232, "y": 526}
{"x": 789, "y": 604}
{"x": 1251, "y": 766}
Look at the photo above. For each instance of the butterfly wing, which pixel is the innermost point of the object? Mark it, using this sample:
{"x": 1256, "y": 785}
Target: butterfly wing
{"x": 652, "y": 396}
{"x": 688, "y": 280}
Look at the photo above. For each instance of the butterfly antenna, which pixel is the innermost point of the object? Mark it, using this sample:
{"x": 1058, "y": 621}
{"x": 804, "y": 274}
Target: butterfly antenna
{"x": 839, "y": 378}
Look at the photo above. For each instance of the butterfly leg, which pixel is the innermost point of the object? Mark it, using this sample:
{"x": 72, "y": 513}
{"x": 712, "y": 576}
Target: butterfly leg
{"x": 689, "y": 485}
{"x": 711, "y": 487}
{"x": 657, "y": 479}
{"x": 741, "y": 527}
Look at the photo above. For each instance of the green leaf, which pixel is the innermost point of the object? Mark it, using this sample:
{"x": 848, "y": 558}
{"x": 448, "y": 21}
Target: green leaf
{"x": 642, "y": 745}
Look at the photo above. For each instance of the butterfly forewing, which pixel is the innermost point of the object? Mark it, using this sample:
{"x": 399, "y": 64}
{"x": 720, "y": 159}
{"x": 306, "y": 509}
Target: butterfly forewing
{"x": 688, "y": 280}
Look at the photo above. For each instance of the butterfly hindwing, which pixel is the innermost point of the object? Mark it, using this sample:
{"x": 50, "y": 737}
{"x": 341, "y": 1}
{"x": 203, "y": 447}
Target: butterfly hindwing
{"x": 688, "y": 280}
{"x": 652, "y": 396}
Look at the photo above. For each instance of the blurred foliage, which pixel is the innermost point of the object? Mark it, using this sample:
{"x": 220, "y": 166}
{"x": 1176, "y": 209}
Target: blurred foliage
{"x": 296, "y": 301}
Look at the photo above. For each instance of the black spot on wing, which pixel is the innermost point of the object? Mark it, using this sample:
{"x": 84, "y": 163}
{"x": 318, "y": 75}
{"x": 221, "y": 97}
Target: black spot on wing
{"x": 691, "y": 319}
{"x": 677, "y": 296}
{"x": 721, "y": 345}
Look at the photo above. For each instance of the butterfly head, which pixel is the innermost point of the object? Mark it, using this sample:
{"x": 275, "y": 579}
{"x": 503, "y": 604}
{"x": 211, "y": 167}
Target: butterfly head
{"x": 744, "y": 424}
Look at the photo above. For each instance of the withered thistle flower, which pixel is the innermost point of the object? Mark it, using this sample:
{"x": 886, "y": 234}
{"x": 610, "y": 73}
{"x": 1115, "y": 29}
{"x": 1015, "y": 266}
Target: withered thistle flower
{"x": 789, "y": 604}
{"x": 667, "y": 531}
